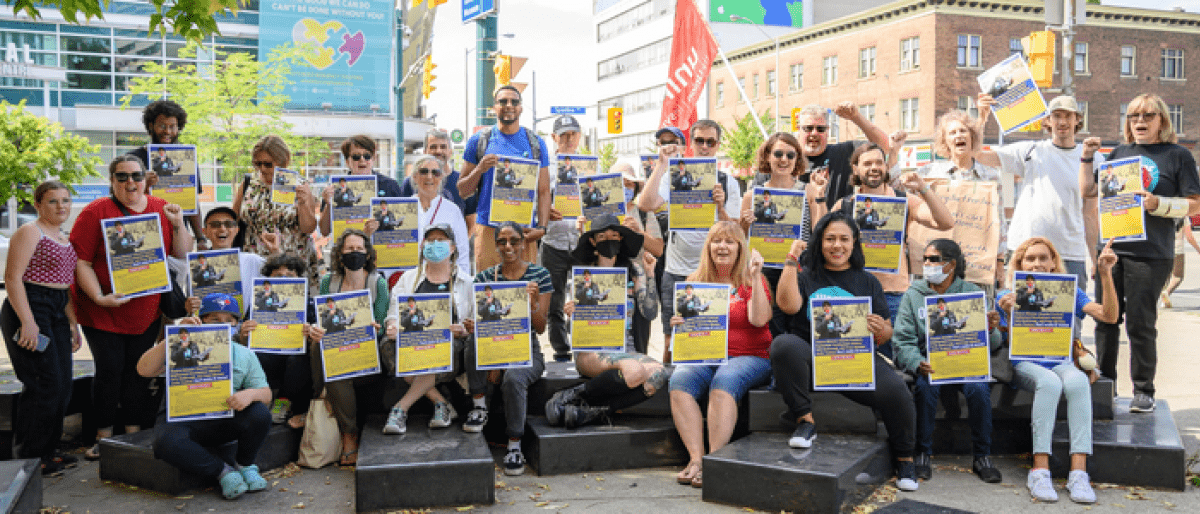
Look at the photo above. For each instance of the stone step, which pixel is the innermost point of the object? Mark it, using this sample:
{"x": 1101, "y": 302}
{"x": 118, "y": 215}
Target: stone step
{"x": 22, "y": 489}
{"x": 81, "y": 392}
{"x": 759, "y": 471}
{"x": 425, "y": 468}
{"x": 1135, "y": 449}
{"x": 129, "y": 459}
{"x": 629, "y": 442}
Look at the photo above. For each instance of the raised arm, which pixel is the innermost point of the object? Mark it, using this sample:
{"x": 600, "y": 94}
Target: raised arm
{"x": 1087, "y": 187}
{"x": 651, "y": 200}
{"x": 985, "y": 102}
{"x": 1106, "y": 311}
{"x": 874, "y": 134}
{"x": 937, "y": 216}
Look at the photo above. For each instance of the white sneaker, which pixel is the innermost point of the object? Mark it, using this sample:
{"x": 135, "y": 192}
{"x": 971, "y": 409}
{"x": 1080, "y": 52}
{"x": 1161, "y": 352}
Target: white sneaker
{"x": 443, "y": 415}
{"x": 1041, "y": 487}
{"x": 397, "y": 422}
{"x": 1079, "y": 484}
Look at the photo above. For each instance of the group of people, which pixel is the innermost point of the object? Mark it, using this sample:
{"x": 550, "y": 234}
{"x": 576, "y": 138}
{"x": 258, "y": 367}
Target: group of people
{"x": 60, "y": 291}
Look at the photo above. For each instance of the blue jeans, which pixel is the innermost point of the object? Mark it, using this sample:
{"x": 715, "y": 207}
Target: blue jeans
{"x": 735, "y": 377}
{"x": 979, "y": 413}
{"x": 1048, "y": 385}
{"x": 46, "y": 376}
{"x": 184, "y": 444}
{"x": 893, "y": 303}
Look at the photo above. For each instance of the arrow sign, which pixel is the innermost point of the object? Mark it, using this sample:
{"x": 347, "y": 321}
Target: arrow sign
{"x": 568, "y": 110}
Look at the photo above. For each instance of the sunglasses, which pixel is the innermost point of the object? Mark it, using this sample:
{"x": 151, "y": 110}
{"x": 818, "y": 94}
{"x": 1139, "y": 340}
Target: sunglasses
{"x": 124, "y": 177}
{"x": 509, "y": 101}
{"x": 360, "y": 157}
{"x": 933, "y": 258}
{"x": 665, "y": 143}
{"x": 779, "y": 154}
{"x": 429, "y": 171}
{"x": 700, "y": 141}
{"x": 1148, "y": 116}
{"x": 219, "y": 224}
{"x": 263, "y": 164}
{"x": 512, "y": 241}
{"x": 819, "y": 128}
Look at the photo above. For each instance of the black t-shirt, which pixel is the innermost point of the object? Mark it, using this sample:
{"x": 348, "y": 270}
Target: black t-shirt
{"x": 836, "y": 157}
{"x": 1177, "y": 177}
{"x": 832, "y": 284}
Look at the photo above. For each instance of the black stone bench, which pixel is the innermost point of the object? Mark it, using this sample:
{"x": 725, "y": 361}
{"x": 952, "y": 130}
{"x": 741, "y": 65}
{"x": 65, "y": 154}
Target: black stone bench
{"x": 22, "y": 486}
{"x": 129, "y": 459}
{"x": 425, "y": 468}
{"x": 10, "y": 392}
{"x": 628, "y": 442}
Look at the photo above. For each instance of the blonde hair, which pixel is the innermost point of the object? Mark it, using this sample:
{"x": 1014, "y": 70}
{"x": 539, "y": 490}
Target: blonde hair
{"x": 1019, "y": 255}
{"x": 939, "y": 138}
{"x": 1166, "y": 132}
{"x": 707, "y": 272}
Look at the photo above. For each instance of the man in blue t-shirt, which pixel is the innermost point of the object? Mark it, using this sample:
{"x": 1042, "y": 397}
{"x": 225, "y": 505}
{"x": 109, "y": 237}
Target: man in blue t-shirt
{"x": 506, "y": 138}
{"x": 437, "y": 144}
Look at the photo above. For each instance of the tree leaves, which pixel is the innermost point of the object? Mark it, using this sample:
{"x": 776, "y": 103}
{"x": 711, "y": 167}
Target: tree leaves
{"x": 33, "y": 149}
{"x": 741, "y": 146}
{"x": 191, "y": 19}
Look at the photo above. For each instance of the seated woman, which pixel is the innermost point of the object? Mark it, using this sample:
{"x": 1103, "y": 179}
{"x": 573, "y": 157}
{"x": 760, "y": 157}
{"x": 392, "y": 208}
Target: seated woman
{"x": 290, "y": 375}
{"x": 945, "y": 273}
{"x": 1049, "y": 380}
{"x": 183, "y": 444}
{"x": 833, "y": 268}
{"x": 726, "y": 258}
{"x": 618, "y": 380}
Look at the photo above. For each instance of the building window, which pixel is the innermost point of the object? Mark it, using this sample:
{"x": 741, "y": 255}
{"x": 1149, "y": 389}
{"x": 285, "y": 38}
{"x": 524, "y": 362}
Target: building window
{"x": 1128, "y": 60}
{"x": 742, "y": 85}
{"x": 967, "y": 104}
{"x": 968, "y": 51}
{"x": 1083, "y": 115}
{"x": 754, "y": 93}
{"x": 1176, "y": 113}
{"x": 835, "y": 123}
{"x": 910, "y": 53}
{"x": 772, "y": 88}
{"x": 720, "y": 94}
{"x": 1081, "y": 58}
{"x": 829, "y": 71}
{"x": 1121, "y": 120}
{"x": 909, "y": 109}
{"x": 796, "y": 78}
{"x": 649, "y": 55}
{"x": 1172, "y": 63}
{"x": 866, "y": 63}
{"x": 634, "y": 17}
{"x": 868, "y": 112}
{"x": 1015, "y": 48}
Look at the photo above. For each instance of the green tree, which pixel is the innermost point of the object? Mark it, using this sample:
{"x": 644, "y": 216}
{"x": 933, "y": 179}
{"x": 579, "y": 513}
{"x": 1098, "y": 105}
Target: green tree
{"x": 608, "y": 156}
{"x": 191, "y": 19}
{"x": 33, "y": 149}
{"x": 231, "y": 104}
{"x": 743, "y": 141}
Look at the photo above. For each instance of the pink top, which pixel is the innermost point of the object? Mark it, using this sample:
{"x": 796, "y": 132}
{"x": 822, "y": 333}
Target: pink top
{"x": 52, "y": 262}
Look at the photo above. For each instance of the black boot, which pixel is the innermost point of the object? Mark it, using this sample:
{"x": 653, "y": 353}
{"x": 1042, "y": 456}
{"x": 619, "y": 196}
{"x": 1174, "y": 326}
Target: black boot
{"x": 559, "y": 401}
{"x": 579, "y": 415}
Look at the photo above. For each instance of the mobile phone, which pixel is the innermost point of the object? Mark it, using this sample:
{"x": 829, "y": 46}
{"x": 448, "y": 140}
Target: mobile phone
{"x": 42, "y": 341}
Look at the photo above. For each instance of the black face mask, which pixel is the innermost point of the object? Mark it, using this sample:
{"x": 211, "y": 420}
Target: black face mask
{"x": 354, "y": 261}
{"x": 609, "y": 248}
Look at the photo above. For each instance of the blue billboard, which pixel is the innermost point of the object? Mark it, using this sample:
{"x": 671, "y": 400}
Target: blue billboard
{"x": 351, "y": 66}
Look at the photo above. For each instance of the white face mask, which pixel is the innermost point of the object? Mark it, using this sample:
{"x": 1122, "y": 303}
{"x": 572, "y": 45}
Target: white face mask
{"x": 933, "y": 273}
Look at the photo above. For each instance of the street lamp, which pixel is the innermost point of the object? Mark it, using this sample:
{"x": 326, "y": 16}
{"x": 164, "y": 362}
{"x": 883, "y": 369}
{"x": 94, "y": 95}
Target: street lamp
{"x": 734, "y": 17}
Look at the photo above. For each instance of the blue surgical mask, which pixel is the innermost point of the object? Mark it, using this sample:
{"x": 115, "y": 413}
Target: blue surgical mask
{"x": 436, "y": 251}
{"x": 628, "y": 195}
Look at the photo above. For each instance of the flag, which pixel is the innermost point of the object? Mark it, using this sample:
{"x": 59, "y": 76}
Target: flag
{"x": 692, "y": 52}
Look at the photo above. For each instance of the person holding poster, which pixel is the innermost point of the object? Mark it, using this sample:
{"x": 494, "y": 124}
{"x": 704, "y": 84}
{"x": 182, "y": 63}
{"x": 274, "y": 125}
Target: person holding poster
{"x": 1050, "y": 380}
{"x": 434, "y": 209}
{"x": 185, "y": 444}
{"x": 725, "y": 258}
{"x": 561, "y": 232}
{"x": 359, "y": 154}
{"x": 958, "y": 138}
{"x": 291, "y": 375}
{"x": 164, "y": 120}
{"x": 118, "y": 329}
{"x": 945, "y": 274}
{"x": 834, "y": 268}
{"x": 436, "y": 272}
{"x": 294, "y": 223}
{"x": 1145, "y": 266}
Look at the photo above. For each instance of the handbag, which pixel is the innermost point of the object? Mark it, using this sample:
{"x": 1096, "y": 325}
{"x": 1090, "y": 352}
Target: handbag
{"x": 321, "y": 443}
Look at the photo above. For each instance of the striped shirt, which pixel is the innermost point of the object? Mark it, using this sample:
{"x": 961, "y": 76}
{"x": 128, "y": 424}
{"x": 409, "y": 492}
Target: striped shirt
{"x": 534, "y": 273}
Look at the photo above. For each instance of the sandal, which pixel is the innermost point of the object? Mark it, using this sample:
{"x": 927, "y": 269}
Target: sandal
{"x": 685, "y": 477}
{"x": 297, "y": 422}
{"x": 698, "y": 480}
{"x": 92, "y": 453}
{"x": 349, "y": 459}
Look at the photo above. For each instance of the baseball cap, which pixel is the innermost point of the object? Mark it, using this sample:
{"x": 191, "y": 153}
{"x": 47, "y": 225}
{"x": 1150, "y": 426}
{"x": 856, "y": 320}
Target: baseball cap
{"x": 674, "y": 130}
{"x": 220, "y": 210}
{"x": 444, "y": 227}
{"x": 1063, "y": 103}
{"x": 566, "y": 123}
{"x": 217, "y": 302}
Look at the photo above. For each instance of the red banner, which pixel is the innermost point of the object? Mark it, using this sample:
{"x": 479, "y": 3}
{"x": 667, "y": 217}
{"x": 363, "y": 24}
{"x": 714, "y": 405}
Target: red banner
{"x": 692, "y": 52}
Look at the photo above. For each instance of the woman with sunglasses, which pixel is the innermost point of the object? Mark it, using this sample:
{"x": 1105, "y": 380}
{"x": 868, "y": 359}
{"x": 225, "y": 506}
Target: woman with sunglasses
{"x": 294, "y": 223}
{"x": 1173, "y": 192}
{"x": 119, "y": 330}
{"x": 433, "y": 208}
{"x": 359, "y": 152}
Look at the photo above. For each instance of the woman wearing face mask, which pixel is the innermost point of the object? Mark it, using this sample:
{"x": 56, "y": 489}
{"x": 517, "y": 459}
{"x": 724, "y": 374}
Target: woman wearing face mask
{"x": 435, "y": 273}
{"x": 353, "y": 265}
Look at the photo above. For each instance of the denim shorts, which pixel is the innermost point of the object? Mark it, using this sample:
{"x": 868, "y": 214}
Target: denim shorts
{"x": 735, "y": 377}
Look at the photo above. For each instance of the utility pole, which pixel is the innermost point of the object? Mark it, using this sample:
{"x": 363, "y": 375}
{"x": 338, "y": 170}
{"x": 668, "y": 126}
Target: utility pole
{"x": 398, "y": 147}
{"x": 485, "y": 78}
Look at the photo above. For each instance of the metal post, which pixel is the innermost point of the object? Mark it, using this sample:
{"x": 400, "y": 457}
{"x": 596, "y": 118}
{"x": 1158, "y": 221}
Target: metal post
{"x": 398, "y": 147}
{"x": 466, "y": 91}
{"x": 533, "y": 99}
{"x": 485, "y": 80}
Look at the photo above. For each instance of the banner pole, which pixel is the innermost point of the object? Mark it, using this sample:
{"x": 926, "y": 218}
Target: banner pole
{"x": 736, "y": 83}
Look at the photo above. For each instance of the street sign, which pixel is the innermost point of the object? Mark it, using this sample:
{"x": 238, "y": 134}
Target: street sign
{"x": 474, "y": 9}
{"x": 568, "y": 110}
{"x": 456, "y": 136}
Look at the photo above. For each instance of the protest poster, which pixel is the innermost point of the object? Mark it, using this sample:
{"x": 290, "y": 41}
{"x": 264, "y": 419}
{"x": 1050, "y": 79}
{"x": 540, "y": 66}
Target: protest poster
{"x": 137, "y": 261}
{"x": 1121, "y": 210}
{"x": 778, "y": 221}
{"x": 396, "y": 240}
{"x": 1042, "y": 321}
{"x": 199, "y": 372}
{"x": 602, "y": 194}
{"x": 566, "y": 186}
{"x": 956, "y": 336}
{"x": 974, "y": 205}
{"x": 703, "y": 338}
{"x": 178, "y": 175}
{"x": 216, "y": 271}
{"x": 598, "y": 322}
{"x": 691, "y": 205}
{"x": 882, "y": 221}
{"x": 648, "y": 161}
{"x": 279, "y": 308}
{"x": 843, "y": 347}
{"x": 424, "y": 344}
{"x": 352, "y": 204}
{"x": 1019, "y": 102}
{"x": 502, "y": 325}
{"x": 513, "y": 192}
{"x": 348, "y": 348}
{"x": 283, "y": 186}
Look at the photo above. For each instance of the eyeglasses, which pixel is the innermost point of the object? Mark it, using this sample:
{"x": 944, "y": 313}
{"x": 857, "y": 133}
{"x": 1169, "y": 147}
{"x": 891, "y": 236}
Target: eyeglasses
{"x": 360, "y": 157}
{"x": 1137, "y": 116}
{"x": 819, "y": 128}
{"x": 219, "y": 224}
{"x": 165, "y": 128}
{"x": 429, "y": 171}
{"x": 263, "y": 164}
{"x": 509, "y": 101}
{"x": 779, "y": 154}
{"x": 512, "y": 241}
{"x": 700, "y": 141}
{"x": 933, "y": 258}
{"x": 123, "y": 177}
{"x": 665, "y": 143}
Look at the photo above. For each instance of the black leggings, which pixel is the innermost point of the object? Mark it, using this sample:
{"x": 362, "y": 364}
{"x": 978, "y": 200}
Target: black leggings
{"x": 791, "y": 361}
{"x": 118, "y": 392}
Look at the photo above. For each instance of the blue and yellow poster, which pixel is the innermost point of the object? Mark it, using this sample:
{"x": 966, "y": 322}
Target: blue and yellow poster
{"x": 279, "y": 309}
{"x": 957, "y": 338}
{"x": 178, "y": 175}
{"x": 778, "y": 221}
{"x": 843, "y": 347}
{"x": 216, "y": 271}
{"x": 396, "y": 238}
{"x": 137, "y": 261}
{"x": 348, "y": 348}
{"x": 424, "y": 344}
{"x": 703, "y": 337}
{"x": 199, "y": 372}
{"x": 1043, "y": 316}
{"x": 1122, "y": 215}
{"x": 502, "y": 326}
{"x": 351, "y": 207}
{"x": 882, "y": 220}
{"x": 691, "y": 198}
{"x": 598, "y": 321}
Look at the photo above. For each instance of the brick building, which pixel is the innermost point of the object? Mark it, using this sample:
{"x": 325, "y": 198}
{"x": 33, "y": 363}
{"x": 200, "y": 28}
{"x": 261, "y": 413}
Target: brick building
{"x": 907, "y": 62}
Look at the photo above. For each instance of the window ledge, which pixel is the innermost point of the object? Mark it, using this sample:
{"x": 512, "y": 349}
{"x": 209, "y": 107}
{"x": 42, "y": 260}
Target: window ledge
{"x": 1167, "y": 79}
{"x": 1129, "y": 77}
{"x": 975, "y": 68}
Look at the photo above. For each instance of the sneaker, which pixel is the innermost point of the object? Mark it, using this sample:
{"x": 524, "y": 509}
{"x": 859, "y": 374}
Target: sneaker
{"x": 232, "y": 485}
{"x": 281, "y": 410}
{"x": 922, "y": 466}
{"x": 514, "y": 462}
{"x": 986, "y": 470}
{"x": 906, "y": 478}
{"x": 559, "y": 401}
{"x": 476, "y": 419}
{"x": 1142, "y": 403}
{"x": 52, "y": 467}
{"x": 580, "y": 415}
{"x": 1079, "y": 484}
{"x": 1041, "y": 487}
{"x": 254, "y": 481}
{"x": 397, "y": 422}
{"x": 803, "y": 436}
{"x": 443, "y": 415}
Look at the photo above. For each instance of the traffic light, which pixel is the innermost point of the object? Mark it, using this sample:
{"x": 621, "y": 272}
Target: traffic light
{"x": 796, "y": 119}
{"x": 503, "y": 69}
{"x": 616, "y": 117}
{"x": 428, "y": 76}
{"x": 1041, "y": 57}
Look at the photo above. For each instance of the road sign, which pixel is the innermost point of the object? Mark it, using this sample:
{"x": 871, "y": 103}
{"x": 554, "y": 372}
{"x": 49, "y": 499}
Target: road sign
{"x": 568, "y": 110}
{"x": 474, "y": 9}
{"x": 456, "y": 136}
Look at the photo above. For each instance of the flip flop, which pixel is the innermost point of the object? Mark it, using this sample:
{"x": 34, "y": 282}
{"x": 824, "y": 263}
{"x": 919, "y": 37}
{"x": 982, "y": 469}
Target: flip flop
{"x": 347, "y": 455}
{"x": 698, "y": 480}
{"x": 686, "y": 478}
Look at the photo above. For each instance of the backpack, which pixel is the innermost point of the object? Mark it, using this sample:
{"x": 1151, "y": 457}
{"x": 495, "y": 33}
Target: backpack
{"x": 485, "y": 136}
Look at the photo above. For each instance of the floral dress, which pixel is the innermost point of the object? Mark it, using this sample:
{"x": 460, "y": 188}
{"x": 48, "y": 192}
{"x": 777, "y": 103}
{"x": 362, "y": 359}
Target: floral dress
{"x": 261, "y": 215}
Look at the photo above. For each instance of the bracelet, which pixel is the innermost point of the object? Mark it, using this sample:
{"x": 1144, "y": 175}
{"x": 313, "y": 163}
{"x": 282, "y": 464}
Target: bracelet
{"x": 1171, "y": 207}
{"x": 793, "y": 257}
{"x": 819, "y": 198}
{"x": 792, "y": 263}
{"x": 1087, "y": 159}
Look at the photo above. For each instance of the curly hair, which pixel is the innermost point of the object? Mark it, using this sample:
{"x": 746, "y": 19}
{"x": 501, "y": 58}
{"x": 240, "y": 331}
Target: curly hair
{"x": 285, "y": 260}
{"x": 858, "y": 153}
{"x": 1014, "y": 264}
{"x": 335, "y": 255}
{"x": 163, "y": 108}
{"x": 940, "y": 146}
{"x": 764, "y": 152}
